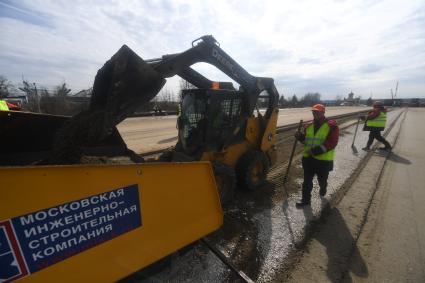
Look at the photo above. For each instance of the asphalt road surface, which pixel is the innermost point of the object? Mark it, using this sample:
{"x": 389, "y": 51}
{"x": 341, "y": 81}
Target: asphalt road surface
{"x": 377, "y": 232}
{"x": 143, "y": 134}
{"x": 392, "y": 243}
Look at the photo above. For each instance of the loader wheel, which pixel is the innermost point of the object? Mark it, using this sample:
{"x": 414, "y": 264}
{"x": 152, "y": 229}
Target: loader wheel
{"x": 226, "y": 181}
{"x": 252, "y": 169}
{"x": 166, "y": 156}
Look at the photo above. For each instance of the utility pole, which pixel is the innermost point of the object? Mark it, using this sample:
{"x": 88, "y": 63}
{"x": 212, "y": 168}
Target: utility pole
{"x": 394, "y": 95}
{"x": 396, "y": 88}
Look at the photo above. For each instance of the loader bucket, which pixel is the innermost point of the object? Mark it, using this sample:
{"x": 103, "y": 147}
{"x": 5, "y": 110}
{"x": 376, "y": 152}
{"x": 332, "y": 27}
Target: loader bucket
{"x": 101, "y": 223}
{"x": 124, "y": 83}
{"x": 28, "y": 138}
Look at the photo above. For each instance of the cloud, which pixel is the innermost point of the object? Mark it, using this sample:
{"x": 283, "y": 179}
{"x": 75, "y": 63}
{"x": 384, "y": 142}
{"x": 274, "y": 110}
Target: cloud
{"x": 327, "y": 46}
{"x": 17, "y": 11}
{"x": 309, "y": 61}
{"x": 370, "y": 68}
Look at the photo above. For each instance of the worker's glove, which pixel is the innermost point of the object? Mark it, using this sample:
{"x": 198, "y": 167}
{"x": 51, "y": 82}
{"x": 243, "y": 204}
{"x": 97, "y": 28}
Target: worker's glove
{"x": 318, "y": 149}
{"x": 362, "y": 117}
{"x": 298, "y": 135}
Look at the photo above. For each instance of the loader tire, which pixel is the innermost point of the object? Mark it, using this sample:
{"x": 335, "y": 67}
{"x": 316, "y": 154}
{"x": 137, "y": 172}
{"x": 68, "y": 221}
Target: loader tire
{"x": 252, "y": 169}
{"x": 166, "y": 156}
{"x": 225, "y": 179}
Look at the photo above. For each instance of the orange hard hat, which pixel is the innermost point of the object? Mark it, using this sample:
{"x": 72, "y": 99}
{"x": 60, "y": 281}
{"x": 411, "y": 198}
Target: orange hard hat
{"x": 318, "y": 107}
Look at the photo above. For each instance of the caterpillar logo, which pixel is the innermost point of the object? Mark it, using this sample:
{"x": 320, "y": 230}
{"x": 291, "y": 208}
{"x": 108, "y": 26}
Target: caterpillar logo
{"x": 12, "y": 263}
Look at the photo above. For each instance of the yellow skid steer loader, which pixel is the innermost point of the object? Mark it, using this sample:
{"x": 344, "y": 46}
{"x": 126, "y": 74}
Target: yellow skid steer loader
{"x": 69, "y": 211}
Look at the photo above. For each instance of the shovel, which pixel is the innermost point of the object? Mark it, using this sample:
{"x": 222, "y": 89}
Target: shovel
{"x": 353, "y": 147}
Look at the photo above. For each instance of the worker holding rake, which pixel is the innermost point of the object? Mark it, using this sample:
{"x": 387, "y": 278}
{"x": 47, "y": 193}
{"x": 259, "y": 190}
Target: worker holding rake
{"x": 320, "y": 138}
{"x": 375, "y": 123}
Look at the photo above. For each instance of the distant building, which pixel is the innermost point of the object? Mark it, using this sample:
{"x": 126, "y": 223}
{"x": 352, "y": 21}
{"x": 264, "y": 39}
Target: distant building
{"x": 350, "y": 100}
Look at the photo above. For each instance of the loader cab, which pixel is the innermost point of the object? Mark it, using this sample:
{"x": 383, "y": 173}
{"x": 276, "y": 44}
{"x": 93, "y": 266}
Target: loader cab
{"x": 210, "y": 119}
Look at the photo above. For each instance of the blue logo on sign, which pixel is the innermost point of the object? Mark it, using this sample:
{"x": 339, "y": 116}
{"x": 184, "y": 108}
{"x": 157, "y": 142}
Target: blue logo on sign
{"x": 9, "y": 268}
{"x": 11, "y": 263}
{"x": 51, "y": 235}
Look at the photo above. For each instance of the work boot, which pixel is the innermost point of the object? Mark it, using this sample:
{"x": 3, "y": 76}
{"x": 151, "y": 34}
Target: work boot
{"x": 322, "y": 192}
{"x": 366, "y": 148}
{"x": 302, "y": 203}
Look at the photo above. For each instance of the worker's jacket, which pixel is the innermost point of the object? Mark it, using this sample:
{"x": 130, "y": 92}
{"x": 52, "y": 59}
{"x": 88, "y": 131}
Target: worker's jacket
{"x": 377, "y": 122}
{"x": 3, "y": 106}
{"x": 317, "y": 139}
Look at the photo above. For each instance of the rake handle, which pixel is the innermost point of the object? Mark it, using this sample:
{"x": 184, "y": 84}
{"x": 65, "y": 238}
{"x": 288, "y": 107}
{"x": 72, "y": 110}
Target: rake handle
{"x": 355, "y": 132}
{"x": 292, "y": 153}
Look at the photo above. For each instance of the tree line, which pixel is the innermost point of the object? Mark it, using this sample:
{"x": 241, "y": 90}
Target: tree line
{"x": 309, "y": 99}
{"x": 60, "y": 99}
{"x": 35, "y": 98}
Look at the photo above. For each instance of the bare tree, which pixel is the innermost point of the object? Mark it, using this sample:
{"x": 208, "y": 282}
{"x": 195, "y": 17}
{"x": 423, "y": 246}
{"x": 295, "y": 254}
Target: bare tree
{"x": 5, "y": 86}
{"x": 61, "y": 93}
{"x": 62, "y": 90}
{"x": 166, "y": 95}
{"x": 184, "y": 85}
{"x": 32, "y": 94}
{"x": 44, "y": 92}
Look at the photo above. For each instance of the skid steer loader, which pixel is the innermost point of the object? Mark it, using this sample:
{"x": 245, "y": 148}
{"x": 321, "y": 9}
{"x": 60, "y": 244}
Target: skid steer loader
{"x": 77, "y": 205}
{"x": 218, "y": 123}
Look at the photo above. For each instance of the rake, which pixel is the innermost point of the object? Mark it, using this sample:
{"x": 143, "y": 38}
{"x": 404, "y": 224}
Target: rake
{"x": 353, "y": 147}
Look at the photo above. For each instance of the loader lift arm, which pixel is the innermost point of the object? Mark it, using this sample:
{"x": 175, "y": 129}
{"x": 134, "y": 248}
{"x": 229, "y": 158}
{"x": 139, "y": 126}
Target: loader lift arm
{"x": 206, "y": 49}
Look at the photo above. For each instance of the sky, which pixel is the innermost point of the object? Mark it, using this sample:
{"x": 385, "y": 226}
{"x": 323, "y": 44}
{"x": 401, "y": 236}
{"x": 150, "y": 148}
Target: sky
{"x": 330, "y": 47}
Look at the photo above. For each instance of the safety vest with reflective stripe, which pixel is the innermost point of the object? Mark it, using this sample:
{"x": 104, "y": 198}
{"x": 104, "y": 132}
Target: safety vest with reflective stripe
{"x": 3, "y": 106}
{"x": 312, "y": 140}
{"x": 378, "y": 122}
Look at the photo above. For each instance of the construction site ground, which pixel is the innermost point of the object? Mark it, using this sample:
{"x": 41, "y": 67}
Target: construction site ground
{"x": 265, "y": 236}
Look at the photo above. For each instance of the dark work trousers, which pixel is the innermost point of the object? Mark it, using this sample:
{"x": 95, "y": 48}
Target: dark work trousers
{"x": 375, "y": 133}
{"x": 313, "y": 167}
